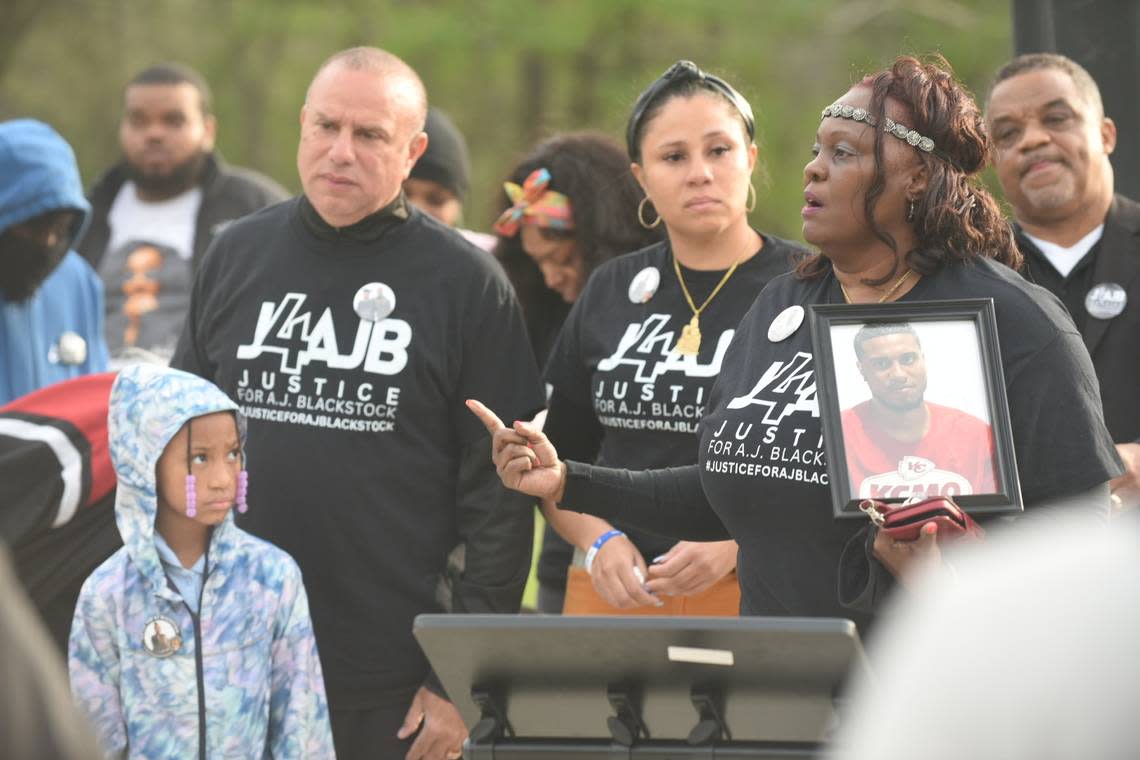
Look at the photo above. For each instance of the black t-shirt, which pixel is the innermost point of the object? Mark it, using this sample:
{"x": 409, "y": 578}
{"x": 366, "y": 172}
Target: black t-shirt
{"x": 614, "y": 360}
{"x": 357, "y": 428}
{"x": 762, "y": 465}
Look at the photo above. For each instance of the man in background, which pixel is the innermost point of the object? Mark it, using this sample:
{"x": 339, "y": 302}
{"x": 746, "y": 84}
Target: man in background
{"x": 1079, "y": 238}
{"x": 439, "y": 181}
{"x": 158, "y": 209}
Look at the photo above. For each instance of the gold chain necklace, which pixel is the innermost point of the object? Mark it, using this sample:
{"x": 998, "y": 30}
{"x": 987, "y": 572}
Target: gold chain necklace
{"x": 896, "y": 286}
{"x": 689, "y": 344}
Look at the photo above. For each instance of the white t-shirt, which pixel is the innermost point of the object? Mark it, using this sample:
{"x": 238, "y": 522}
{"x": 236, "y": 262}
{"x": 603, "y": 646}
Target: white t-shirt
{"x": 167, "y": 223}
{"x": 1064, "y": 259}
{"x": 481, "y": 239}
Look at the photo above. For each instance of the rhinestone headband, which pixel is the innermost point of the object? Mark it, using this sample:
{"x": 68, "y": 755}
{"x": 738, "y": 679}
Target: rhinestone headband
{"x": 841, "y": 111}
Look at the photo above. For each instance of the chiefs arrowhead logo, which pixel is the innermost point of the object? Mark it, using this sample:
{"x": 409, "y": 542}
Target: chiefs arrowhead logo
{"x": 912, "y": 467}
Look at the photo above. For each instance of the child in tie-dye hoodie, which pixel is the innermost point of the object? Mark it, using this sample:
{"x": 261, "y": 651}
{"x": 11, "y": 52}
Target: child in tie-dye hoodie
{"x": 194, "y": 639}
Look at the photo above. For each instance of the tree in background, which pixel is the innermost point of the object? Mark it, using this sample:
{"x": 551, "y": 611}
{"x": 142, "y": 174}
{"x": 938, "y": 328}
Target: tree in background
{"x": 509, "y": 72}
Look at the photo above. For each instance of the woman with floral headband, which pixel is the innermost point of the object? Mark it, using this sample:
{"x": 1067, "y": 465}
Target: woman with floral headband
{"x": 896, "y": 217}
{"x": 570, "y": 206}
{"x": 637, "y": 357}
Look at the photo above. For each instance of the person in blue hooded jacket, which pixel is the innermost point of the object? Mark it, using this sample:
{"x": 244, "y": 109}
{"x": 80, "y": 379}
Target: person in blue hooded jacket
{"x": 51, "y": 301}
{"x": 194, "y": 639}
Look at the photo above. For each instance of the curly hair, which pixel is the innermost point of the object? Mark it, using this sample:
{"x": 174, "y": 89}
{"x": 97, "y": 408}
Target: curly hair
{"x": 592, "y": 170}
{"x": 956, "y": 218}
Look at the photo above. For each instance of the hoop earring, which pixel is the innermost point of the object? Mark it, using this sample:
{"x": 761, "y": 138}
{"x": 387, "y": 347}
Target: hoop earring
{"x": 641, "y": 215}
{"x": 910, "y": 210}
{"x": 750, "y": 204}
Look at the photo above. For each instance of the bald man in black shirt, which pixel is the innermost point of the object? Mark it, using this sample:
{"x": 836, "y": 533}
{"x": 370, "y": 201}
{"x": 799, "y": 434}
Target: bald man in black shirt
{"x": 350, "y": 327}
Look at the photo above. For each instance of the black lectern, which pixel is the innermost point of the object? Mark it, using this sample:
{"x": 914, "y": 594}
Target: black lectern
{"x": 627, "y": 687}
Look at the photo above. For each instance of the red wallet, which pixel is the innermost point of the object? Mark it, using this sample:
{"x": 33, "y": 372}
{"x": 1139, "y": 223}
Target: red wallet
{"x": 903, "y": 522}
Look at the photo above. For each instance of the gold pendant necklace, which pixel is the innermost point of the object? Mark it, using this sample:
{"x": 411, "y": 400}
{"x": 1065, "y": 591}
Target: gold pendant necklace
{"x": 689, "y": 344}
{"x": 888, "y": 294}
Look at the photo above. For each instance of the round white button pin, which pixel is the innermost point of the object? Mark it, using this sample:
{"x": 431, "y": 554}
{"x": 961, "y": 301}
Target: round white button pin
{"x": 72, "y": 348}
{"x": 786, "y": 323}
{"x": 374, "y": 301}
{"x": 644, "y": 285}
{"x": 1106, "y": 300}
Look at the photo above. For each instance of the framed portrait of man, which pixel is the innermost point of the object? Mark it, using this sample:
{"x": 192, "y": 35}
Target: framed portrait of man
{"x": 913, "y": 405}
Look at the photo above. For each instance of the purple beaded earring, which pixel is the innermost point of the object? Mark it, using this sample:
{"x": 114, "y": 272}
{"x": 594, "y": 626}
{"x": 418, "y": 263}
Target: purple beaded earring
{"x": 242, "y": 491}
{"x": 191, "y": 482}
{"x": 191, "y": 497}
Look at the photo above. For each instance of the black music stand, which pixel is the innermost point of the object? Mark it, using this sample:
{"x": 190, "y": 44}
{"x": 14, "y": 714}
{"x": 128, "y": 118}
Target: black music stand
{"x": 586, "y": 687}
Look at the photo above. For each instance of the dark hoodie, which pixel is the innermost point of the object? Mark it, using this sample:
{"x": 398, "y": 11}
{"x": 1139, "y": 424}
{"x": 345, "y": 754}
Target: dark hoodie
{"x": 57, "y": 333}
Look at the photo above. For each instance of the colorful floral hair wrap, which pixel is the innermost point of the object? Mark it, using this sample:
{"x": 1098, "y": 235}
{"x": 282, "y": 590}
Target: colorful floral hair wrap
{"x": 534, "y": 204}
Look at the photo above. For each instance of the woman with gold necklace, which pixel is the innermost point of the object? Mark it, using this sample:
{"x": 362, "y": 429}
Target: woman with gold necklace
{"x": 638, "y": 354}
{"x": 895, "y": 207}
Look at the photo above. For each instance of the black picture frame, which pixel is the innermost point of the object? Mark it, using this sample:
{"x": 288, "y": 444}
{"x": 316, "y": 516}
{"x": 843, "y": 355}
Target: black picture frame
{"x": 965, "y": 319}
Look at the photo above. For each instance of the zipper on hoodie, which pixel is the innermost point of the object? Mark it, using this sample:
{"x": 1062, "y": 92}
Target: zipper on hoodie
{"x": 199, "y": 670}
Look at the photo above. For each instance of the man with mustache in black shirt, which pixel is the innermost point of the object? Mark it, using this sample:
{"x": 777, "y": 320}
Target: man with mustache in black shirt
{"x": 1080, "y": 240}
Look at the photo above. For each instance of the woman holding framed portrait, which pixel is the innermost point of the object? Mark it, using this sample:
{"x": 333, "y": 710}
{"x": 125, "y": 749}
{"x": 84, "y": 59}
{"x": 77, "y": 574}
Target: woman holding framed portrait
{"x": 894, "y": 205}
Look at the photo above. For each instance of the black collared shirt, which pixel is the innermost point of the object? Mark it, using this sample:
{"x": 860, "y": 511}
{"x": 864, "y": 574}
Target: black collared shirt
{"x": 1071, "y": 288}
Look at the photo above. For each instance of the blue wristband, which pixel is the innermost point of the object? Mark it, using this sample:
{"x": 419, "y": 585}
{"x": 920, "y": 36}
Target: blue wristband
{"x": 598, "y": 543}
{"x": 606, "y": 537}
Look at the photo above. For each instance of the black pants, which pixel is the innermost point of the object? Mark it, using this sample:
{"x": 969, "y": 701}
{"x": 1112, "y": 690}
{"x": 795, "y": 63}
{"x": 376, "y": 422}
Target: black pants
{"x": 369, "y": 733}
{"x": 551, "y": 598}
